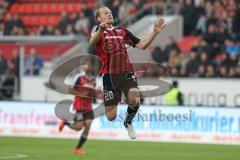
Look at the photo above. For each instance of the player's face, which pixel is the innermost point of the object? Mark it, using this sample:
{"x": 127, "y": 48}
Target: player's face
{"x": 106, "y": 15}
{"x": 87, "y": 66}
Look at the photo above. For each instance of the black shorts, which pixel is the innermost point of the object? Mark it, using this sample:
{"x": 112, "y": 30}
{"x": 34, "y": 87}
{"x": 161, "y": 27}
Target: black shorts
{"x": 115, "y": 84}
{"x": 85, "y": 115}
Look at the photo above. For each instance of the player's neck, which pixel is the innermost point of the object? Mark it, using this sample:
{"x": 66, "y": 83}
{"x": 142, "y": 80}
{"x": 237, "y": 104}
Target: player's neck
{"x": 87, "y": 73}
{"x": 109, "y": 26}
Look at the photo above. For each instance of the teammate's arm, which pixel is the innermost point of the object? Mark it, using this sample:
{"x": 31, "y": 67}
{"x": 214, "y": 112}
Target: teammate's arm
{"x": 145, "y": 42}
{"x": 78, "y": 89}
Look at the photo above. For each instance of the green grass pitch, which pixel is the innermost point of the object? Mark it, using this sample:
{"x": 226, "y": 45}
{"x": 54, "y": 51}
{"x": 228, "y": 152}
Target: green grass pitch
{"x": 61, "y": 149}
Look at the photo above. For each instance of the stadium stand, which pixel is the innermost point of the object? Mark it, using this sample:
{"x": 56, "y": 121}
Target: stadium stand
{"x": 36, "y": 14}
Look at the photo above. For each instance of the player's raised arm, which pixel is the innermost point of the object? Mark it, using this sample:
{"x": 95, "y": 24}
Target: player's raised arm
{"x": 145, "y": 42}
{"x": 95, "y": 35}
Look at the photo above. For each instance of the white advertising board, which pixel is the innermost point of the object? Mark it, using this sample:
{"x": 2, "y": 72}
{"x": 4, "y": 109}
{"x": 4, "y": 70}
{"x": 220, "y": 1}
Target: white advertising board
{"x": 153, "y": 123}
{"x": 197, "y": 92}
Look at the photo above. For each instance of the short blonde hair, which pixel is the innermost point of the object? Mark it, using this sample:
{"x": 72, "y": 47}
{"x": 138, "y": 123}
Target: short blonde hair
{"x": 97, "y": 13}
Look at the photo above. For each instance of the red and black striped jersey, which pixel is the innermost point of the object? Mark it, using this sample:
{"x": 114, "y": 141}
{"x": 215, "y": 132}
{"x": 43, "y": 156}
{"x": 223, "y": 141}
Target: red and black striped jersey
{"x": 85, "y": 84}
{"x": 112, "y": 50}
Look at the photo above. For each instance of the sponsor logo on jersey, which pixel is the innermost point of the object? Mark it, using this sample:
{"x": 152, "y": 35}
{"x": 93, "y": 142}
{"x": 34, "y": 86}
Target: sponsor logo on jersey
{"x": 118, "y": 30}
{"x": 114, "y": 37}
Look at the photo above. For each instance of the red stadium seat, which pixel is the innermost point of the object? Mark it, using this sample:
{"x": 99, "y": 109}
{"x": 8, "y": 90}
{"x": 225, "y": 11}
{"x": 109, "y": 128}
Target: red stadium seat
{"x": 186, "y": 43}
{"x": 63, "y": 6}
{"x": 90, "y": 4}
{"x": 54, "y": 8}
{"x": 44, "y": 12}
{"x": 14, "y": 8}
{"x": 27, "y": 8}
{"x": 43, "y": 20}
{"x": 21, "y": 8}
{"x": 78, "y": 7}
{"x": 34, "y": 21}
{"x": 70, "y": 7}
{"x": 26, "y": 20}
{"x": 45, "y": 8}
{"x": 53, "y": 20}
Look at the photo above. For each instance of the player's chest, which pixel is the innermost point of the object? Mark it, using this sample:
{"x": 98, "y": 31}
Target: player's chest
{"x": 87, "y": 81}
{"x": 115, "y": 35}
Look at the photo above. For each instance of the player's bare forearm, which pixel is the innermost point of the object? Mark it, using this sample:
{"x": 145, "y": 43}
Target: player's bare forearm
{"x": 145, "y": 42}
{"x": 158, "y": 27}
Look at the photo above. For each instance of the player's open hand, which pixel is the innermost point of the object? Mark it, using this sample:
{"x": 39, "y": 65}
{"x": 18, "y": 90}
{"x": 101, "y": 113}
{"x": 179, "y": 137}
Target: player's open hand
{"x": 158, "y": 26}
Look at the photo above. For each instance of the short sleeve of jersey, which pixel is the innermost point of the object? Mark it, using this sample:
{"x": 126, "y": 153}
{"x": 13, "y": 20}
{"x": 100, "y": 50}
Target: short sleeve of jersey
{"x": 94, "y": 29}
{"x": 79, "y": 82}
{"x": 131, "y": 39}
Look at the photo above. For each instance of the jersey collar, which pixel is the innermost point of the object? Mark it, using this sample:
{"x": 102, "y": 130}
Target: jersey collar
{"x": 110, "y": 28}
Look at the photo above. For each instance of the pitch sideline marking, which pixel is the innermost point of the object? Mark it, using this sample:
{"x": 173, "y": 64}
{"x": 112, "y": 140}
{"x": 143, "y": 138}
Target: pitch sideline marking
{"x": 9, "y": 156}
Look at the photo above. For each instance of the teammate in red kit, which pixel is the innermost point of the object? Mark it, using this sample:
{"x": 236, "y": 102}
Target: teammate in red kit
{"x": 117, "y": 70}
{"x": 84, "y": 86}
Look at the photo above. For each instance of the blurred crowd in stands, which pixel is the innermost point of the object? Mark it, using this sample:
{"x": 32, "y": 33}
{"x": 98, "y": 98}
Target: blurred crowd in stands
{"x": 32, "y": 63}
{"x": 10, "y": 71}
{"x": 9, "y": 75}
{"x": 216, "y": 54}
{"x": 218, "y": 60}
{"x": 72, "y": 23}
